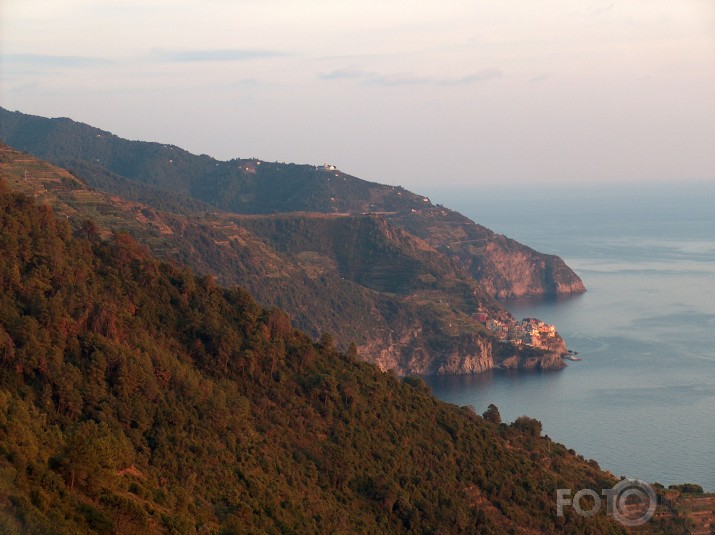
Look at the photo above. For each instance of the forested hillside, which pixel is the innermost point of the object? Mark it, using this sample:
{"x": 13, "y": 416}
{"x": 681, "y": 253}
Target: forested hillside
{"x": 239, "y": 185}
{"x": 167, "y": 177}
{"x": 405, "y": 305}
{"x": 402, "y": 287}
{"x": 136, "y": 397}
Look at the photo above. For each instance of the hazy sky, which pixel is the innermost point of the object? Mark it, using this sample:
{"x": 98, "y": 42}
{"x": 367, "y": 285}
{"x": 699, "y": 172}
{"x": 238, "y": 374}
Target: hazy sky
{"x": 414, "y": 92}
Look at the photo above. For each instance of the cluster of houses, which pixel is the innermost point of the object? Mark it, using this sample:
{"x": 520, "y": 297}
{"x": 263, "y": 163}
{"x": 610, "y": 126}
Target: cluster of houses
{"x": 529, "y": 331}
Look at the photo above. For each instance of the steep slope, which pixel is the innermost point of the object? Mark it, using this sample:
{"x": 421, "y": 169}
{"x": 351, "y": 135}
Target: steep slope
{"x": 404, "y": 305}
{"x": 504, "y": 267}
{"x": 138, "y": 398}
{"x": 239, "y": 185}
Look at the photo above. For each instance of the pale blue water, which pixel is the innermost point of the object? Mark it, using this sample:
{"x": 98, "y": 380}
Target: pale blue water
{"x": 642, "y": 400}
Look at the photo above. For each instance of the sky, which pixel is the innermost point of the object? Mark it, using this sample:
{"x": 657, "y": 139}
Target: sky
{"x": 418, "y": 93}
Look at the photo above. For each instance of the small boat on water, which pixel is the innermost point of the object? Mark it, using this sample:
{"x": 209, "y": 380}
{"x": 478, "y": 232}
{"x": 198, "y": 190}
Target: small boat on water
{"x": 571, "y": 355}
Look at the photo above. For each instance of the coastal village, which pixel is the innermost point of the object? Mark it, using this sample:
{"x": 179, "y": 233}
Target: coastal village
{"x": 529, "y": 331}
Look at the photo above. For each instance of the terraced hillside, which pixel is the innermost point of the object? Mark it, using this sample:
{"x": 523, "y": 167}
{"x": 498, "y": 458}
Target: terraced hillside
{"x": 168, "y": 177}
{"x": 413, "y": 325}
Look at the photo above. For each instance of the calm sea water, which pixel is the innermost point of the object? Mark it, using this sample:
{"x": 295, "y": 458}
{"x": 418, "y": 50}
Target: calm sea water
{"x": 642, "y": 400}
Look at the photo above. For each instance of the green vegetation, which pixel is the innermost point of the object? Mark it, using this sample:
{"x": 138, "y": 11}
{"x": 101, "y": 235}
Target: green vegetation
{"x": 400, "y": 282}
{"x": 239, "y": 185}
{"x": 492, "y": 414}
{"x": 353, "y": 275}
{"x": 136, "y": 397}
{"x": 169, "y": 178}
{"x": 687, "y": 488}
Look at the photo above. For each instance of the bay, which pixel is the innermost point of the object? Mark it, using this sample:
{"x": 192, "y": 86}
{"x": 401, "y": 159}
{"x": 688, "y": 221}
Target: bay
{"x": 642, "y": 400}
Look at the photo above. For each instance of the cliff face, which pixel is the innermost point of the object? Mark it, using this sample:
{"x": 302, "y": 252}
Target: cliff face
{"x": 504, "y": 267}
{"x": 411, "y": 355}
{"x": 527, "y": 358}
{"x": 508, "y": 269}
{"x": 408, "y": 357}
{"x": 478, "y": 358}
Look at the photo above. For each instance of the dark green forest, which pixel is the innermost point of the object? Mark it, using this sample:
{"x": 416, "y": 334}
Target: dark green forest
{"x": 136, "y": 397}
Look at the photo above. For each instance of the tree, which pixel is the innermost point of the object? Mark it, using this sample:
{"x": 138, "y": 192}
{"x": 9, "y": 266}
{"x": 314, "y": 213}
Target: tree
{"x": 352, "y": 351}
{"x": 90, "y": 450}
{"x": 128, "y": 514}
{"x": 7, "y": 348}
{"x": 492, "y": 414}
{"x": 529, "y": 426}
{"x": 279, "y": 323}
{"x": 687, "y": 488}
{"x": 327, "y": 342}
{"x": 90, "y": 230}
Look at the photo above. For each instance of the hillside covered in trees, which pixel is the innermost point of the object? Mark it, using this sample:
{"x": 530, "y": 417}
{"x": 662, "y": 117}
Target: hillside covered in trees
{"x": 355, "y": 276}
{"x": 168, "y": 177}
{"x": 374, "y": 264}
{"x": 136, "y": 397}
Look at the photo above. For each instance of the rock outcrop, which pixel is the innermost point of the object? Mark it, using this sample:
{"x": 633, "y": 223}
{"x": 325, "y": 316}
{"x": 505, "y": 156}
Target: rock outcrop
{"x": 473, "y": 355}
{"x": 508, "y": 269}
{"x": 505, "y": 268}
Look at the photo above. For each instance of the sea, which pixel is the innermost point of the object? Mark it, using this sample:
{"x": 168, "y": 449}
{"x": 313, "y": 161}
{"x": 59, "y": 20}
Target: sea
{"x": 642, "y": 399}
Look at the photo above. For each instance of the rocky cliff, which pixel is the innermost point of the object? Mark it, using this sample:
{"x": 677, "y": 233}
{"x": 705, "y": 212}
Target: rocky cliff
{"x": 508, "y": 269}
{"x": 474, "y": 354}
{"x": 504, "y": 267}
{"x": 468, "y": 355}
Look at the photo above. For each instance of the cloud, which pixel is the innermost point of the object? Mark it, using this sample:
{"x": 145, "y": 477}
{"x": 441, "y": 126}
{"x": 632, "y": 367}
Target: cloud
{"x": 385, "y": 80}
{"x": 409, "y": 78}
{"x": 223, "y": 54}
{"x": 480, "y": 76}
{"x": 48, "y": 60}
{"x": 539, "y": 78}
{"x": 403, "y": 78}
{"x": 346, "y": 74}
